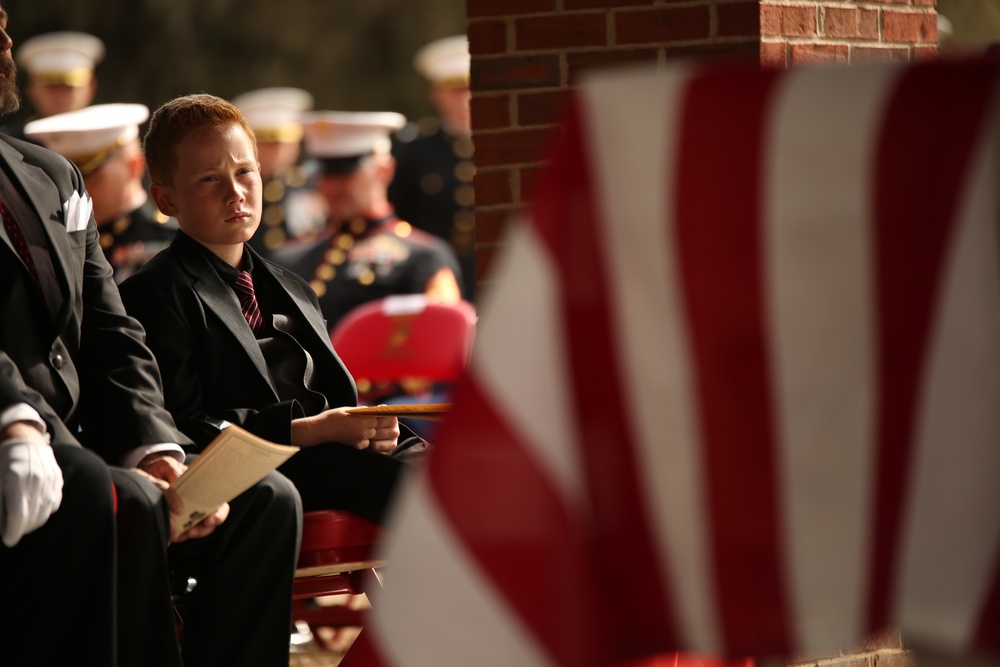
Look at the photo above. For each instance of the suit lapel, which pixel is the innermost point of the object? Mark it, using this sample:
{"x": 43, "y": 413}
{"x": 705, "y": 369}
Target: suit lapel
{"x": 42, "y": 195}
{"x": 303, "y": 305}
{"x": 10, "y": 157}
{"x": 308, "y": 313}
{"x": 221, "y": 300}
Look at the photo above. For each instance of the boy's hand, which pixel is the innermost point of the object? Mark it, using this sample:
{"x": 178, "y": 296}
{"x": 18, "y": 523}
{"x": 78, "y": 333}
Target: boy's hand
{"x": 381, "y": 433}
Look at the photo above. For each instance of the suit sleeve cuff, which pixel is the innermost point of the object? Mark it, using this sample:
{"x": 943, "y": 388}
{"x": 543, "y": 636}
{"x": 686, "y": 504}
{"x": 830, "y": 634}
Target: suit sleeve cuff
{"x": 22, "y": 412}
{"x": 133, "y": 458}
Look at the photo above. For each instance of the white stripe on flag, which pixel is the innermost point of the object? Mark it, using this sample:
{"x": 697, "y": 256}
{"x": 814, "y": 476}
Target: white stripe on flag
{"x": 521, "y": 340}
{"x": 635, "y": 173}
{"x": 436, "y": 587}
{"x": 818, "y": 217}
{"x": 952, "y": 530}
{"x": 434, "y": 590}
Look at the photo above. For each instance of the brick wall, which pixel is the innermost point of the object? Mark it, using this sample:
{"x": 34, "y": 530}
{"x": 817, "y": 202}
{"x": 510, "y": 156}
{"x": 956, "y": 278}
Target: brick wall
{"x": 820, "y": 31}
{"x": 526, "y": 55}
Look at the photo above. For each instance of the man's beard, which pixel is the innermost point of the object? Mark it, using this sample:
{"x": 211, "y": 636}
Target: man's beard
{"x": 9, "y": 99}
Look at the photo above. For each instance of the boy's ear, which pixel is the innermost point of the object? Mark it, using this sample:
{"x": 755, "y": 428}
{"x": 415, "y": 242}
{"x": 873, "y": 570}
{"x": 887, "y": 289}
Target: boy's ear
{"x": 163, "y": 198}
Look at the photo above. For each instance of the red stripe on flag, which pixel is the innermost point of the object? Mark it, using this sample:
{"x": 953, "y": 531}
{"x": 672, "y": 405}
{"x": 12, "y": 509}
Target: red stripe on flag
{"x": 521, "y": 532}
{"x": 363, "y": 653}
{"x": 987, "y": 637}
{"x": 639, "y": 616}
{"x": 719, "y": 239}
{"x": 923, "y": 158}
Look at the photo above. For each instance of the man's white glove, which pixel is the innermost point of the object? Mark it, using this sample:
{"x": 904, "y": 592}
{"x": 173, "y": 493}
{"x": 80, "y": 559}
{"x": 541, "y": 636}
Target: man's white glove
{"x": 31, "y": 485}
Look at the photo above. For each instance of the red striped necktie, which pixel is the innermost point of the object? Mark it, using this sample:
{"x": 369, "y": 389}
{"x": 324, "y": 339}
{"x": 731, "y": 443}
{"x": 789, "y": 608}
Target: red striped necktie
{"x": 20, "y": 243}
{"x": 248, "y": 301}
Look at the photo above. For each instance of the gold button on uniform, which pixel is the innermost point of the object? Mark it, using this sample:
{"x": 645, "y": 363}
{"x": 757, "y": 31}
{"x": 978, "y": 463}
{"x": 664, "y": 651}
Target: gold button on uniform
{"x": 463, "y": 147}
{"x": 274, "y": 191}
{"x": 465, "y": 220}
{"x": 464, "y": 171}
{"x": 274, "y": 238}
{"x": 274, "y": 214}
{"x": 325, "y": 272}
{"x": 465, "y": 195}
{"x": 335, "y": 256}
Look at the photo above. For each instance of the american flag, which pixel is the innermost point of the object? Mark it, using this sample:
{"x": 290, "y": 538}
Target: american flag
{"x": 736, "y": 387}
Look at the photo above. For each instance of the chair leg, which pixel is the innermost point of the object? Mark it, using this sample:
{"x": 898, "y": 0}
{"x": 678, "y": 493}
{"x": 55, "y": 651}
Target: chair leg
{"x": 316, "y": 615}
{"x": 334, "y": 616}
{"x": 361, "y": 580}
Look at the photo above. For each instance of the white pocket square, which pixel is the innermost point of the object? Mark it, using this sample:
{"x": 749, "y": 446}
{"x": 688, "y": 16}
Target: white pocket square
{"x": 77, "y": 211}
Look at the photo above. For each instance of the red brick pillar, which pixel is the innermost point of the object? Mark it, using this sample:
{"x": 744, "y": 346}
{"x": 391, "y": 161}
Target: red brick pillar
{"x": 817, "y": 31}
{"x": 526, "y": 55}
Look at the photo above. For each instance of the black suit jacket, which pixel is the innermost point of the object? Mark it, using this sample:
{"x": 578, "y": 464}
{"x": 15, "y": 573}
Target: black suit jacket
{"x": 212, "y": 364}
{"x": 88, "y": 365}
{"x": 10, "y": 396}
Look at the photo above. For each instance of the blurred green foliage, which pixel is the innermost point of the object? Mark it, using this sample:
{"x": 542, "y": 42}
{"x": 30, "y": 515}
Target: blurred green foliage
{"x": 351, "y": 55}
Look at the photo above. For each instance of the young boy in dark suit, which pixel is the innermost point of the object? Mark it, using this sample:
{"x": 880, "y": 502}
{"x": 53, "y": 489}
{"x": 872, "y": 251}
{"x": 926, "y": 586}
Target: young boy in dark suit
{"x": 239, "y": 339}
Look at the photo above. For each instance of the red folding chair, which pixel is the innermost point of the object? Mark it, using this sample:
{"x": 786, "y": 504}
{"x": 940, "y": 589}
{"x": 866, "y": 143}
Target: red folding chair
{"x": 404, "y": 344}
{"x": 336, "y": 558}
{"x": 389, "y": 343}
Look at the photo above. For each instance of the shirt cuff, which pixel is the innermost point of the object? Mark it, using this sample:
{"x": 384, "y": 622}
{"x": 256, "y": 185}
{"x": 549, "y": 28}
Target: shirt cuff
{"x": 132, "y": 459}
{"x": 22, "y": 412}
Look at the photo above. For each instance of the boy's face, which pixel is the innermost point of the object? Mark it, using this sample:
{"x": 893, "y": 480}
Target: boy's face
{"x": 216, "y": 194}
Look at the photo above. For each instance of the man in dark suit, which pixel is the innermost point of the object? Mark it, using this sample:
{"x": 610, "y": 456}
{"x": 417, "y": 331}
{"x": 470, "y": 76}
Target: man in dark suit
{"x": 71, "y": 350}
{"x": 244, "y": 338}
{"x": 57, "y": 524}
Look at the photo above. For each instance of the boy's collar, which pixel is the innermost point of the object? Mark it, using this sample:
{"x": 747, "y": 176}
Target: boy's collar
{"x": 227, "y": 272}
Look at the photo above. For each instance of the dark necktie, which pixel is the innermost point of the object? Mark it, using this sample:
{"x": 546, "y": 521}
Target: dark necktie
{"x": 248, "y": 301}
{"x": 20, "y": 243}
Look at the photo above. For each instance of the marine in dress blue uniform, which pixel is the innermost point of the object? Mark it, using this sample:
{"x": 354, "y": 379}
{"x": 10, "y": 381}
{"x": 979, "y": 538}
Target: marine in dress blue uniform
{"x": 133, "y": 239}
{"x": 292, "y": 207}
{"x": 365, "y": 252}
{"x": 61, "y": 77}
{"x": 432, "y": 188}
{"x": 103, "y": 141}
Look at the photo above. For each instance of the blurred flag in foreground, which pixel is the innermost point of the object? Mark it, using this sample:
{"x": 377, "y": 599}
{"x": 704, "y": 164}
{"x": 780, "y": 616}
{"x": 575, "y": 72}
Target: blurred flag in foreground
{"x": 736, "y": 387}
